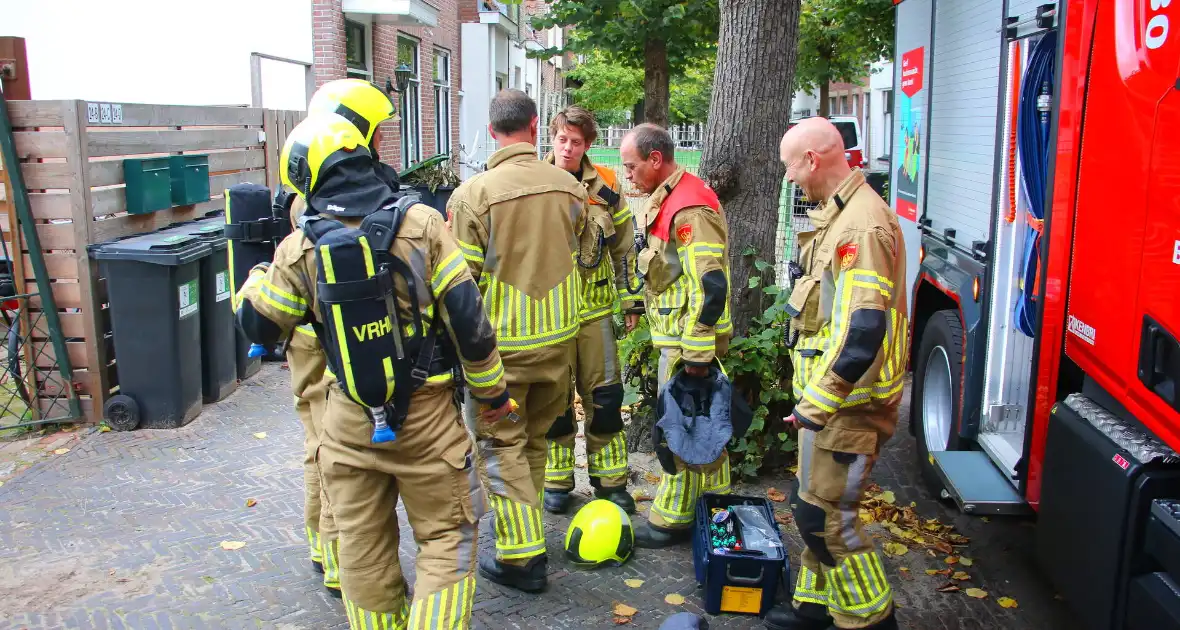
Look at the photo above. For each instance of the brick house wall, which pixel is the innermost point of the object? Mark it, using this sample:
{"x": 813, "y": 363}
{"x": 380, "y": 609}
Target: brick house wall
{"x": 329, "y": 39}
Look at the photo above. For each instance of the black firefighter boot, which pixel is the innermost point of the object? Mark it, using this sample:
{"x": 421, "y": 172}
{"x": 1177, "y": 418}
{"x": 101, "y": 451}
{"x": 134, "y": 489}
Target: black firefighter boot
{"x": 617, "y": 495}
{"x": 648, "y": 536}
{"x": 557, "y": 501}
{"x": 808, "y": 616}
{"x": 529, "y": 578}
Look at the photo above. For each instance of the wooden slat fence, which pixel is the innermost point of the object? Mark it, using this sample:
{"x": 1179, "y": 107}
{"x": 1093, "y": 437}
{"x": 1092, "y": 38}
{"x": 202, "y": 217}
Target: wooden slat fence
{"x": 73, "y": 168}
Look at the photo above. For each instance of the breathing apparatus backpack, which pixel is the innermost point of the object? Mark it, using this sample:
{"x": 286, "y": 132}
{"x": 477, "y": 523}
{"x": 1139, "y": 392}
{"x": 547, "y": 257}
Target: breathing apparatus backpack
{"x": 378, "y": 360}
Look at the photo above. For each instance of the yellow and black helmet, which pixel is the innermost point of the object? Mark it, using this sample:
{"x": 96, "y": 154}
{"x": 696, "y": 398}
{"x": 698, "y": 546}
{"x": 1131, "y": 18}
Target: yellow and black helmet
{"x": 599, "y": 534}
{"x": 326, "y": 162}
{"x": 358, "y": 101}
{"x": 314, "y": 146}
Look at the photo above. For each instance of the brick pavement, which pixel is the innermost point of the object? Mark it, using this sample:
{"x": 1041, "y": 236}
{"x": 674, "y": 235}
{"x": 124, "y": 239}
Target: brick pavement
{"x": 124, "y": 532}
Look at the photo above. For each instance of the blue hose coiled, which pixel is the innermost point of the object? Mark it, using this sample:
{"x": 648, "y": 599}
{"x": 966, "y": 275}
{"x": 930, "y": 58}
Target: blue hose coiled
{"x": 1032, "y": 136}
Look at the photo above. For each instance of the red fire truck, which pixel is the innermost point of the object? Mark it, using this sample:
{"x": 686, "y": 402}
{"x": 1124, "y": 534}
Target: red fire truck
{"x": 1035, "y": 170}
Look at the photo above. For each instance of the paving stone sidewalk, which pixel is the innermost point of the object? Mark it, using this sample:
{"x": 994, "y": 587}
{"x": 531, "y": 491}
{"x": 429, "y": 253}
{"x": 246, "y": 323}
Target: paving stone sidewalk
{"x": 124, "y": 531}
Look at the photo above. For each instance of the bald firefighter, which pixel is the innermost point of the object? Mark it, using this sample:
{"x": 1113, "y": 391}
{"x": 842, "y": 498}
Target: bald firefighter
{"x": 849, "y": 319}
{"x": 386, "y": 290}
{"x": 518, "y": 225}
{"x": 606, "y": 260}
{"x": 363, "y": 105}
{"x": 686, "y": 300}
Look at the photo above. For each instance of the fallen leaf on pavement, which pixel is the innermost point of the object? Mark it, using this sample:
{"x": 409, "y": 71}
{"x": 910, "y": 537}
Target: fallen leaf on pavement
{"x": 960, "y": 575}
{"x": 887, "y": 497}
{"x": 675, "y": 599}
{"x": 61, "y": 451}
{"x": 123, "y": 580}
{"x": 977, "y": 593}
{"x": 208, "y": 579}
{"x": 774, "y": 495}
{"x": 986, "y": 520}
{"x": 231, "y": 545}
{"x": 944, "y": 547}
{"x": 639, "y": 496}
{"x": 251, "y": 503}
{"x": 782, "y": 517}
{"x": 633, "y": 583}
{"x": 111, "y": 572}
{"x": 906, "y": 569}
{"x": 619, "y": 621}
{"x": 1007, "y": 602}
{"x": 103, "y": 428}
{"x": 932, "y": 572}
{"x": 895, "y": 549}
{"x": 651, "y": 477}
{"x": 623, "y": 610}
{"x": 285, "y": 366}
{"x": 966, "y": 562}
{"x": 260, "y": 435}
{"x": 952, "y": 560}
{"x": 949, "y": 587}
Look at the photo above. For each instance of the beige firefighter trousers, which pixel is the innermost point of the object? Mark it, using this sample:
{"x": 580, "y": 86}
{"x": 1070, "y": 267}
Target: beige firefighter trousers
{"x": 430, "y": 466}
{"x": 306, "y": 361}
{"x": 839, "y": 568}
{"x": 674, "y": 506}
{"x": 599, "y": 383}
{"x": 512, "y": 454}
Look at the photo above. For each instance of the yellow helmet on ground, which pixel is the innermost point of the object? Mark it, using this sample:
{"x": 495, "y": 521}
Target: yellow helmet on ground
{"x": 358, "y": 101}
{"x": 318, "y": 143}
{"x": 599, "y": 534}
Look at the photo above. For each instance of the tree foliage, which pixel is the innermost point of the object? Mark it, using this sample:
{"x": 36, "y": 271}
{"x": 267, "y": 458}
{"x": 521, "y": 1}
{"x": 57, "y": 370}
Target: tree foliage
{"x": 692, "y": 91}
{"x": 838, "y": 39}
{"x": 664, "y": 37}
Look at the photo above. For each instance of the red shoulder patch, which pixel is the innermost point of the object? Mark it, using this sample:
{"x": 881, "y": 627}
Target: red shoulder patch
{"x": 847, "y": 255}
{"x": 684, "y": 233}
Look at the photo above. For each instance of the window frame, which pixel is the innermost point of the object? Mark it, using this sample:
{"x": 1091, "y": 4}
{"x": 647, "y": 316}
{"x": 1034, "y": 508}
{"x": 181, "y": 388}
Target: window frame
{"x": 442, "y": 101}
{"x": 411, "y": 130}
{"x": 366, "y": 32}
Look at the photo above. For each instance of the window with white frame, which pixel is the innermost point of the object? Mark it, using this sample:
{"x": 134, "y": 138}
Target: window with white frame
{"x": 410, "y": 105}
{"x": 358, "y": 56}
{"x": 442, "y": 101}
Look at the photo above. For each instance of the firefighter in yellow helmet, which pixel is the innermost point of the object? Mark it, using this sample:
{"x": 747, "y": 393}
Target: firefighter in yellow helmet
{"x": 366, "y": 107}
{"x": 686, "y": 277}
{"x": 386, "y": 290}
{"x": 849, "y": 312}
{"x": 606, "y": 259}
{"x": 518, "y": 225}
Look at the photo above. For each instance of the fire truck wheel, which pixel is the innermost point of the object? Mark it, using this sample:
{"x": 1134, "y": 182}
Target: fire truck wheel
{"x": 934, "y": 406}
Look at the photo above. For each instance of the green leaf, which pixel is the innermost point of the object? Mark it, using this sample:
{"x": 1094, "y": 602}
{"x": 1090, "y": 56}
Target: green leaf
{"x": 755, "y": 281}
{"x": 757, "y": 423}
{"x": 772, "y": 289}
{"x": 761, "y": 265}
{"x": 783, "y": 436}
{"x": 764, "y": 396}
{"x": 749, "y": 250}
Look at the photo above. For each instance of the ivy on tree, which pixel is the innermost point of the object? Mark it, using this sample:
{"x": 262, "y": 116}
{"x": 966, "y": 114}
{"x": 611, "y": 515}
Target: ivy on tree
{"x": 661, "y": 36}
{"x": 838, "y": 39}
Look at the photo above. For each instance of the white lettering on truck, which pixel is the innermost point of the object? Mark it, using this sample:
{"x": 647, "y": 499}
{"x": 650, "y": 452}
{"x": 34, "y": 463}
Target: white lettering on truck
{"x": 1082, "y": 330}
{"x": 1156, "y": 32}
{"x": 1176, "y": 254}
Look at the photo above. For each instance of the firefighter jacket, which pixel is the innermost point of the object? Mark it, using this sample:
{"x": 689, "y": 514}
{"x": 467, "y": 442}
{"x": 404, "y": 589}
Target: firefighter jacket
{"x": 849, "y": 310}
{"x": 606, "y": 252}
{"x": 685, "y": 269}
{"x": 286, "y": 296}
{"x": 518, "y": 225}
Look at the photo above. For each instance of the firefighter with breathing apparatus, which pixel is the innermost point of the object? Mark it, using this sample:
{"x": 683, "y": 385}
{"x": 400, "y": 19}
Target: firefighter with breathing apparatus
{"x": 606, "y": 260}
{"x": 391, "y": 301}
{"x": 518, "y": 225}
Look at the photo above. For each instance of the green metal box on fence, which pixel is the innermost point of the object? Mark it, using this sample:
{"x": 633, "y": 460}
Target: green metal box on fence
{"x": 190, "y": 179}
{"x": 149, "y": 184}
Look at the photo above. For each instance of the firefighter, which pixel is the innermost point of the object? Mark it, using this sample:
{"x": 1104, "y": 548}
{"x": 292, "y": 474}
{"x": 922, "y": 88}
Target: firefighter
{"x": 305, "y": 358}
{"x": 849, "y": 312}
{"x": 518, "y": 224}
{"x": 365, "y": 464}
{"x": 686, "y": 299}
{"x": 366, "y": 107}
{"x": 606, "y": 259}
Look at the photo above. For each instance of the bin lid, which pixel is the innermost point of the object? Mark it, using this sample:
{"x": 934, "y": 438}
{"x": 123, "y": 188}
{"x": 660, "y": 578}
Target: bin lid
{"x": 211, "y": 231}
{"x": 158, "y": 248}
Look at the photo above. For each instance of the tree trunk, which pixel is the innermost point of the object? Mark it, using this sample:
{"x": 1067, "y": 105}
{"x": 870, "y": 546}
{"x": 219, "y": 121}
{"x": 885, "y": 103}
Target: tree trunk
{"x": 824, "y": 90}
{"x": 655, "y": 82}
{"x": 748, "y": 116}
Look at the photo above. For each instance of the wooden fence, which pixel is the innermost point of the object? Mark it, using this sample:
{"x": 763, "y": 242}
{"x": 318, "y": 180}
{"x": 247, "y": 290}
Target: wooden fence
{"x": 71, "y": 155}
